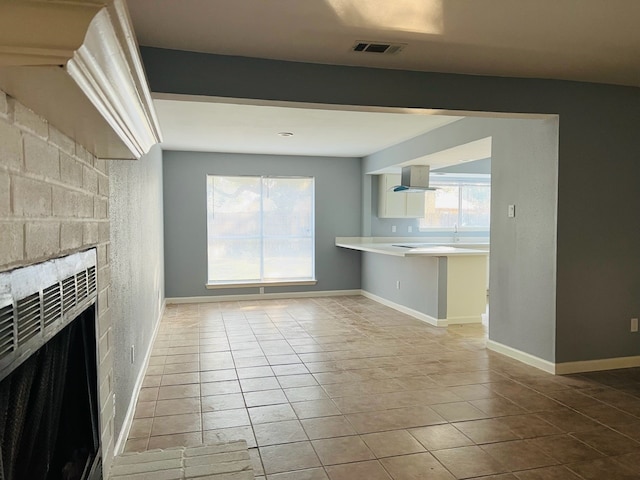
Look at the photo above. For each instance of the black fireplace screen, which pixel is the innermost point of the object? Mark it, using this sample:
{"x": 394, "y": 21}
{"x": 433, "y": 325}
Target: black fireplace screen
{"x": 48, "y": 409}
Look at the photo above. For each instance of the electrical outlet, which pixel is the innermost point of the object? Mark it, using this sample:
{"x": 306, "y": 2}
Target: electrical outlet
{"x": 133, "y": 354}
{"x": 398, "y": 284}
{"x": 409, "y": 229}
{"x": 511, "y": 211}
{"x": 393, "y": 229}
{"x": 634, "y": 324}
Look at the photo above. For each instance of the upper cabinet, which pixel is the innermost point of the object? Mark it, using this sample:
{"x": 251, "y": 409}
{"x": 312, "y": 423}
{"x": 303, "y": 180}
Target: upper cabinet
{"x": 397, "y": 204}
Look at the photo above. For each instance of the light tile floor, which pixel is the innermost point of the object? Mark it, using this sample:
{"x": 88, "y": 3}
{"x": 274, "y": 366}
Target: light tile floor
{"x": 345, "y": 388}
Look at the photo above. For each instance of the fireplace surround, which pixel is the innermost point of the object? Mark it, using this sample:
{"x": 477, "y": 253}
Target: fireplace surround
{"x": 49, "y": 422}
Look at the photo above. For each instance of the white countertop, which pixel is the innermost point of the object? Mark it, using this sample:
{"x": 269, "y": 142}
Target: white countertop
{"x": 388, "y": 246}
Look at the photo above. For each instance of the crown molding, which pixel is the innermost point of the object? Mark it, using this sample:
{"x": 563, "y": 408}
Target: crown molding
{"x": 81, "y": 71}
{"x": 41, "y": 32}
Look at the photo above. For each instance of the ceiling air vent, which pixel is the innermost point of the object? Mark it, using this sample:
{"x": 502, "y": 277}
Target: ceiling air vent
{"x": 378, "y": 47}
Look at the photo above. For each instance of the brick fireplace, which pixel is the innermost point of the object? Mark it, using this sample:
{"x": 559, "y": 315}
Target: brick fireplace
{"x": 54, "y": 201}
{"x": 48, "y": 370}
{"x": 73, "y": 93}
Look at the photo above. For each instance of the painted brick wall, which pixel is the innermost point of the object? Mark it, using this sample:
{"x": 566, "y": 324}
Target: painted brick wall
{"x": 54, "y": 200}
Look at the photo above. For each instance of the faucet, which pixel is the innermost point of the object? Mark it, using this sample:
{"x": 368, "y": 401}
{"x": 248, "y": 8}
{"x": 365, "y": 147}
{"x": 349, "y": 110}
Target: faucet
{"x": 456, "y": 238}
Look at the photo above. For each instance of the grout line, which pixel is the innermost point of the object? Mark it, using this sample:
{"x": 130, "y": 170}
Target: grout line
{"x": 499, "y": 372}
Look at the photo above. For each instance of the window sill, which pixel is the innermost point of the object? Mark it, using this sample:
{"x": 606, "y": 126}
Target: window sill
{"x": 283, "y": 283}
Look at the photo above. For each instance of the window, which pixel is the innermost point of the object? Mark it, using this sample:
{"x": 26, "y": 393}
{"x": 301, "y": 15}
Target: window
{"x": 260, "y": 230}
{"x": 457, "y": 205}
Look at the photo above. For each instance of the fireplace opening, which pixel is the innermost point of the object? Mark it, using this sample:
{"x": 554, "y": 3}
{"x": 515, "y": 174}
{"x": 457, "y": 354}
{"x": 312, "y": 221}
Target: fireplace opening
{"x": 78, "y": 432}
{"x": 48, "y": 408}
{"x": 49, "y": 423}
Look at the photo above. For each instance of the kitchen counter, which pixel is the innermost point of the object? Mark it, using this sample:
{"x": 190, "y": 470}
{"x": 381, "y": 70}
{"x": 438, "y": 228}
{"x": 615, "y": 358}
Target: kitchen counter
{"x": 439, "y": 283}
{"x": 401, "y": 248}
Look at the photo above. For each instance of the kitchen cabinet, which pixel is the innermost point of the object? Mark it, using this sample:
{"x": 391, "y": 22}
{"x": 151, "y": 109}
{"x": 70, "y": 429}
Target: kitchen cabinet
{"x": 397, "y": 204}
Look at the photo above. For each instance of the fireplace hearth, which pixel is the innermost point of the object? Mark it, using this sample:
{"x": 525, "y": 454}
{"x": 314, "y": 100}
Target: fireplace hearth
{"x": 48, "y": 371}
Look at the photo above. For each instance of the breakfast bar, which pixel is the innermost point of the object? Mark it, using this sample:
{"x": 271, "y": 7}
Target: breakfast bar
{"x": 442, "y": 284}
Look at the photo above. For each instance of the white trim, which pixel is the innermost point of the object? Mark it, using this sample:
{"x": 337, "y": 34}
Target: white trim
{"x": 131, "y": 409}
{"x": 566, "y": 368}
{"x": 349, "y": 108}
{"x": 284, "y": 283}
{"x": 61, "y": 30}
{"x": 100, "y": 97}
{"x": 261, "y": 296}
{"x": 464, "y": 320}
{"x": 107, "y": 68}
{"x": 409, "y": 311}
{"x": 521, "y": 356}
{"x": 326, "y": 293}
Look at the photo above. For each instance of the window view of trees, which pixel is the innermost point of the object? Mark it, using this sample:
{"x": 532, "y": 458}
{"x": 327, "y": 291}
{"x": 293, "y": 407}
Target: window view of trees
{"x": 260, "y": 229}
{"x": 461, "y": 205}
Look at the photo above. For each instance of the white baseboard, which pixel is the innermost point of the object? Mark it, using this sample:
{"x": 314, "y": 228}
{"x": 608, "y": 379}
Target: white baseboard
{"x": 521, "y": 356}
{"x": 526, "y": 358}
{"x": 566, "y": 368}
{"x": 325, "y": 293}
{"x": 464, "y": 320}
{"x": 262, "y": 296}
{"x": 131, "y": 409}
{"x": 409, "y": 311}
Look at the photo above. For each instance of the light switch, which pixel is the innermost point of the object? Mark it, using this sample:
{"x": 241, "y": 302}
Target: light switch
{"x": 511, "y": 211}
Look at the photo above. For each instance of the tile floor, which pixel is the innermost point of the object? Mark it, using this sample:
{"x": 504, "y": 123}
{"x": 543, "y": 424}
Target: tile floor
{"x": 344, "y": 388}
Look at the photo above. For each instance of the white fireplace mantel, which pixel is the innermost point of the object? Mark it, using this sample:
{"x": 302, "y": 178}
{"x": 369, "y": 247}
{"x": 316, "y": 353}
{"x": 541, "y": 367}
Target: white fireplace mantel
{"x": 77, "y": 64}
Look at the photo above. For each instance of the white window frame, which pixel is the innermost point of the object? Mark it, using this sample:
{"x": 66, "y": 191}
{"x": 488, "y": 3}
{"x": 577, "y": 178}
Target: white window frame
{"x": 262, "y": 282}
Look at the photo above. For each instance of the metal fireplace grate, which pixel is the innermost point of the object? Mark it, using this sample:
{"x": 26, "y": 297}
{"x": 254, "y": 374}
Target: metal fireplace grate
{"x": 51, "y": 304}
{"x": 28, "y": 318}
{"x": 38, "y": 301}
{"x": 6, "y": 330}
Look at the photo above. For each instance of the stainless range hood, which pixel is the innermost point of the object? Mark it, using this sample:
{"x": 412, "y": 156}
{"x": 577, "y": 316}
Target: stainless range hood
{"x": 414, "y": 179}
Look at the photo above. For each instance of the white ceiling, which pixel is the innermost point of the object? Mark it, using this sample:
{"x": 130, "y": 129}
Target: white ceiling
{"x": 585, "y": 40}
{"x": 241, "y": 128}
{"x": 466, "y": 152}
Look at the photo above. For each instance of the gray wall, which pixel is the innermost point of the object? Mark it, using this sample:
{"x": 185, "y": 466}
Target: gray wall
{"x": 524, "y": 172}
{"x": 423, "y": 285}
{"x": 477, "y": 166}
{"x": 338, "y": 213}
{"x": 137, "y": 271}
{"x": 598, "y": 231}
